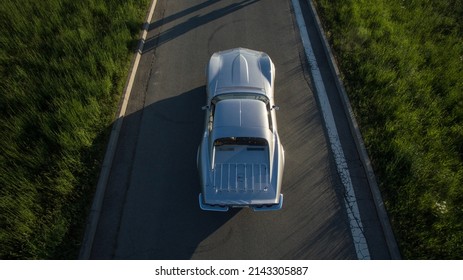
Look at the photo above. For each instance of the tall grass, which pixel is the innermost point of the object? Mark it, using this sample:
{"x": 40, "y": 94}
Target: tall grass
{"x": 63, "y": 64}
{"x": 403, "y": 66}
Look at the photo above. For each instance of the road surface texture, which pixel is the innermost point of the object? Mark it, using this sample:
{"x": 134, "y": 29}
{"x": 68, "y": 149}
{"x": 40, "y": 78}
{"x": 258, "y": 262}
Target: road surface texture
{"x": 150, "y": 208}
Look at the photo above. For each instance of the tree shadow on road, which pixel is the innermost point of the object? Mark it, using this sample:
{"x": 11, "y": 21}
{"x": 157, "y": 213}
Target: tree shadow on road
{"x": 159, "y": 213}
{"x": 163, "y": 36}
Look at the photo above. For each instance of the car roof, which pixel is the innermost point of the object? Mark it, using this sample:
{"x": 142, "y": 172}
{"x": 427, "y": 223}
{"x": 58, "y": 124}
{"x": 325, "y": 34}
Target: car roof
{"x": 241, "y": 113}
{"x": 241, "y": 118}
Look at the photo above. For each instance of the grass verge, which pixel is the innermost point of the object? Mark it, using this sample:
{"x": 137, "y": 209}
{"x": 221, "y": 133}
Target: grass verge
{"x": 402, "y": 62}
{"x": 63, "y": 65}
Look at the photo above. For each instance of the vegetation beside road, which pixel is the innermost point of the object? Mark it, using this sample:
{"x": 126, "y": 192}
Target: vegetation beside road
{"x": 402, "y": 62}
{"x": 63, "y": 64}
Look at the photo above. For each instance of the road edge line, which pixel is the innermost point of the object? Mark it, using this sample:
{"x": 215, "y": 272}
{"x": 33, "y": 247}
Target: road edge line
{"x": 353, "y": 213}
{"x": 355, "y": 130}
{"x": 95, "y": 211}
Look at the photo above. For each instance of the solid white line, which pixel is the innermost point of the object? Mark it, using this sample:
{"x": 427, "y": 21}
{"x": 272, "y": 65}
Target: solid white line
{"x": 377, "y": 198}
{"x": 353, "y": 212}
{"x": 97, "y": 204}
{"x": 137, "y": 60}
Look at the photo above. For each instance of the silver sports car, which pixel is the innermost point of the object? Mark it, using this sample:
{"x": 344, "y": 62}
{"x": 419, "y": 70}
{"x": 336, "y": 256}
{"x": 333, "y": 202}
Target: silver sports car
{"x": 240, "y": 159}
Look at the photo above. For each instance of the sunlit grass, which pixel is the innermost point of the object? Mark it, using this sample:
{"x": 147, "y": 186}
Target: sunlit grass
{"x": 402, "y": 62}
{"x": 63, "y": 64}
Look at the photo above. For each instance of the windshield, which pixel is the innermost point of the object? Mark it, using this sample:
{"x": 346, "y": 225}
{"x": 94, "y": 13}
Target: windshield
{"x": 240, "y": 95}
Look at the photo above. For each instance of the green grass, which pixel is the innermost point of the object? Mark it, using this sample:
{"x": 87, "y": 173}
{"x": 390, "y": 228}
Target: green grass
{"x": 402, "y": 62}
{"x": 63, "y": 65}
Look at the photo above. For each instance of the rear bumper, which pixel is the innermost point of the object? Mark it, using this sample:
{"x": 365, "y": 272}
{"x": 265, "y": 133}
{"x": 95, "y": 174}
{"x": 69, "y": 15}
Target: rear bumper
{"x": 272, "y": 207}
{"x": 208, "y": 207}
{"x": 224, "y": 208}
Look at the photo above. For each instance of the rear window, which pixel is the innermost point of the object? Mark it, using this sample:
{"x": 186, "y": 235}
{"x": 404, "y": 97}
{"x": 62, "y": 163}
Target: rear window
{"x": 248, "y": 141}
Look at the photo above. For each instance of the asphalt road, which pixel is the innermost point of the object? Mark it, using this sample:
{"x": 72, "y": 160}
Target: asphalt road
{"x": 150, "y": 208}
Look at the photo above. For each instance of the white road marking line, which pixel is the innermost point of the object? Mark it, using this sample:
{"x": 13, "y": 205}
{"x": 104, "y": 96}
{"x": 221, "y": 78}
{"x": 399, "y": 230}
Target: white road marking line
{"x": 95, "y": 211}
{"x": 353, "y": 212}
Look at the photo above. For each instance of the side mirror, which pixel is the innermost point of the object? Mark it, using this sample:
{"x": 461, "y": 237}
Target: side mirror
{"x": 205, "y": 107}
{"x": 274, "y": 107}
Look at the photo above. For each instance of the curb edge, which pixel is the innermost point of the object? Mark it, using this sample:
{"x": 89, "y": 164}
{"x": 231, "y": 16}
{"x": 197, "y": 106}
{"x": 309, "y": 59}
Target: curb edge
{"x": 95, "y": 211}
{"x": 379, "y": 204}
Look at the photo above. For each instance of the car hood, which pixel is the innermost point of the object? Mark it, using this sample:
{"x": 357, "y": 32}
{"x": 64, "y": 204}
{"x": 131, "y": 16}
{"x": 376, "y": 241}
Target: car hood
{"x": 240, "y": 69}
